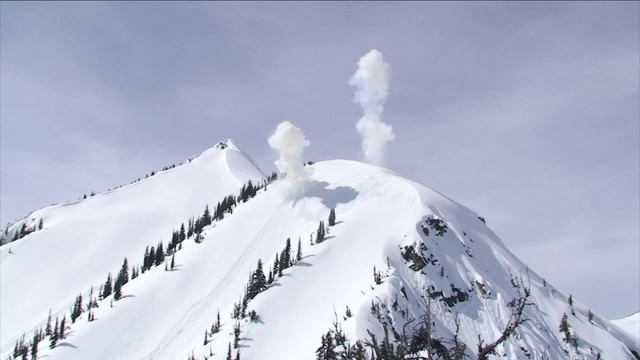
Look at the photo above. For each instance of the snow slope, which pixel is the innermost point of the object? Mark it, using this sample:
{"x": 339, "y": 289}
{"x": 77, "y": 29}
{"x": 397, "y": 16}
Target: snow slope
{"x": 630, "y": 324}
{"x": 84, "y": 240}
{"x": 164, "y": 314}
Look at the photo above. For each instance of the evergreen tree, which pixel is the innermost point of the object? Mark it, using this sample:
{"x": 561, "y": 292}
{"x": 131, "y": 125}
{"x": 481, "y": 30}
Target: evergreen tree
{"x": 320, "y": 233}
{"x": 34, "y": 346}
{"x": 565, "y": 328}
{"x": 276, "y": 266}
{"x": 145, "y": 261}
{"x": 106, "y": 289}
{"x": 206, "y": 217}
{"x": 236, "y": 335}
{"x": 159, "y": 254}
{"x": 77, "y": 309}
{"x": 206, "y": 337}
{"x": 47, "y": 330}
{"x": 327, "y": 351}
{"x": 285, "y": 259}
{"x": 270, "y": 278}
{"x": 25, "y": 352}
{"x": 299, "y": 253}
{"x": 258, "y": 282}
{"x": 182, "y": 235}
{"x": 90, "y": 303}
{"x": 229, "y": 353}
{"x": 152, "y": 257}
{"x": 117, "y": 288}
{"x": 125, "y": 271}
{"x": 63, "y": 328}
{"x": 332, "y": 217}
{"x": 40, "y": 226}
{"x": 571, "y": 300}
{"x": 173, "y": 261}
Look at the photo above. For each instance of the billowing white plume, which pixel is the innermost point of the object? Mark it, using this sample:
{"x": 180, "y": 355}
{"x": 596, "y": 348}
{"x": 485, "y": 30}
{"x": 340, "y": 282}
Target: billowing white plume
{"x": 289, "y": 141}
{"x": 372, "y": 83}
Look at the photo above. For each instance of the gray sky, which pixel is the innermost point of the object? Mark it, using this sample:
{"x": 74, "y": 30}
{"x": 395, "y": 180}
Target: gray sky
{"x": 528, "y": 113}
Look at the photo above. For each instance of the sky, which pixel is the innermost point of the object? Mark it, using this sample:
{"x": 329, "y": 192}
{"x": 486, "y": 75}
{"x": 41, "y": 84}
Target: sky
{"x": 528, "y": 113}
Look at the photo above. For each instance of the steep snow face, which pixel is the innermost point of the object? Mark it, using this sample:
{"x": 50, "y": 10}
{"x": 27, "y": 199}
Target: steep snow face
{"x": 417, "y": 239}
{"x": 82, "y": 241}
{"x": 630, "y": 324}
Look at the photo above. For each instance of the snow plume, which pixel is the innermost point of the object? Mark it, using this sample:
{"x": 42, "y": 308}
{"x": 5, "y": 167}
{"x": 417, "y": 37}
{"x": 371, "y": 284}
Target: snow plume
{"x": 289, "y": 141}
{"x": 372, "y": 83}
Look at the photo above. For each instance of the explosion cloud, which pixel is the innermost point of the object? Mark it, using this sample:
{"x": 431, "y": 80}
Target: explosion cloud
{"x": 290, "y": 142}
{"x": 372, "y": 83}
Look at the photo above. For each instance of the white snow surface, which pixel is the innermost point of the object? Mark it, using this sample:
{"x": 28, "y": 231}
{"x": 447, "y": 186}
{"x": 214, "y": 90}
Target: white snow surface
{"x": 164, "y": 314}
{"x": 630, "y": 324}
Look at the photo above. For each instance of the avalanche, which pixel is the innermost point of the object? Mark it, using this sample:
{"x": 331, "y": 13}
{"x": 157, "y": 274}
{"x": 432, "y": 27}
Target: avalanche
{"x": 415, "y": 240}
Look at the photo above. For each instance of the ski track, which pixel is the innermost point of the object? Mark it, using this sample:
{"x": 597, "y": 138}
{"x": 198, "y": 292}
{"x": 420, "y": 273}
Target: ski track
{"x": 200, "y": 308}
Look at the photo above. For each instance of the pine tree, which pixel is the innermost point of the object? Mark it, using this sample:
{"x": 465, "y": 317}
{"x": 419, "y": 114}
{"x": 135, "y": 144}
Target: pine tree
{"x": 159, "y": 254}
{"x": 47, "y": 330}
{"x": 63, "y": 328}
{"x": 77, "y": 308}
{"x": 565, "y": 328}
{"x": 571, "y": 300}
{"x": 299, "y": 253}
{"x": 55, "y": 335}
{"x": 206, "y": 217}
{"x": 40, "y": 226}
{"x": 117, "y": 289}
{"x": 125, "y": 271}
{"x": 206, "y": 337}
{"x": 173, "y": 261}
{"x": 145, "y": 261}
{"x": 229, "y": 353}
{"x": 106, "y": 290}
{"x": 236, "y": 335}
{"x": 270, "y": 278}
{"x": 286, "y": 254}
{"x": 25, "y": 352}
{"x": 276, "y": 266}
{"x": 258, "y": 282}
{"x": 332, "y": 217}
{"x": 152, "y": 257}
{"x": 320, "y": 233}
{"x": 34, "y": 346}
{"x": 182, "y": 235}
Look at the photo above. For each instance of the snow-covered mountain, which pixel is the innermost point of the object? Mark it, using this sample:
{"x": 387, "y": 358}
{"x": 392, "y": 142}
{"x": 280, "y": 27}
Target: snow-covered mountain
{"x": 396, "y": 249}
{"x": 630, "y": 324}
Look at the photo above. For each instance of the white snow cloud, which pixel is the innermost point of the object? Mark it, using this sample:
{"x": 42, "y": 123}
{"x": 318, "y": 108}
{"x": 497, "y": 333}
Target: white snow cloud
{"x": 290, "y": 142}
{"x": 372, "y": 83}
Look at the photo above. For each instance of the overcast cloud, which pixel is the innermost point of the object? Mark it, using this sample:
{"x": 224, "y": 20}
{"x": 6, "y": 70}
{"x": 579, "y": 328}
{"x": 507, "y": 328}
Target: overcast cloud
{"x": 527, "y": 113}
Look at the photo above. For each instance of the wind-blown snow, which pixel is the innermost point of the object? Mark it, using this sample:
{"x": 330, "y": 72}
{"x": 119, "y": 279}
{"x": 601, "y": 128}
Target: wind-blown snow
{"x": 164, "y": 314}
{"x": 372, "y": 83}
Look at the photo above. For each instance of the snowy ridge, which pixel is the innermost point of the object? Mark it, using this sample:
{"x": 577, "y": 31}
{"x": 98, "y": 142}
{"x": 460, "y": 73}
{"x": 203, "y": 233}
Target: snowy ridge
{"x": 630, "y": 324}
{"x": 419, "y": 242}
{"x": 86, "y": 239}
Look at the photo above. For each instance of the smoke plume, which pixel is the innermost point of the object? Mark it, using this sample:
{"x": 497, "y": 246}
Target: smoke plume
{"x": 372, "y": 83}
{"x": 290, "y": 142}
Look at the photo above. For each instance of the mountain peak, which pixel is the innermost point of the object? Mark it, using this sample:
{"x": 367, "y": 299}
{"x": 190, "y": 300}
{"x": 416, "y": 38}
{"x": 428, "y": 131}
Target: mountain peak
{"x": 226, "y": 143}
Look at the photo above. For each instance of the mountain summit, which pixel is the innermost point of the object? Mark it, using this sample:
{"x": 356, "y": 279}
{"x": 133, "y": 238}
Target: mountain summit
{"x": 363, "y": 257}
